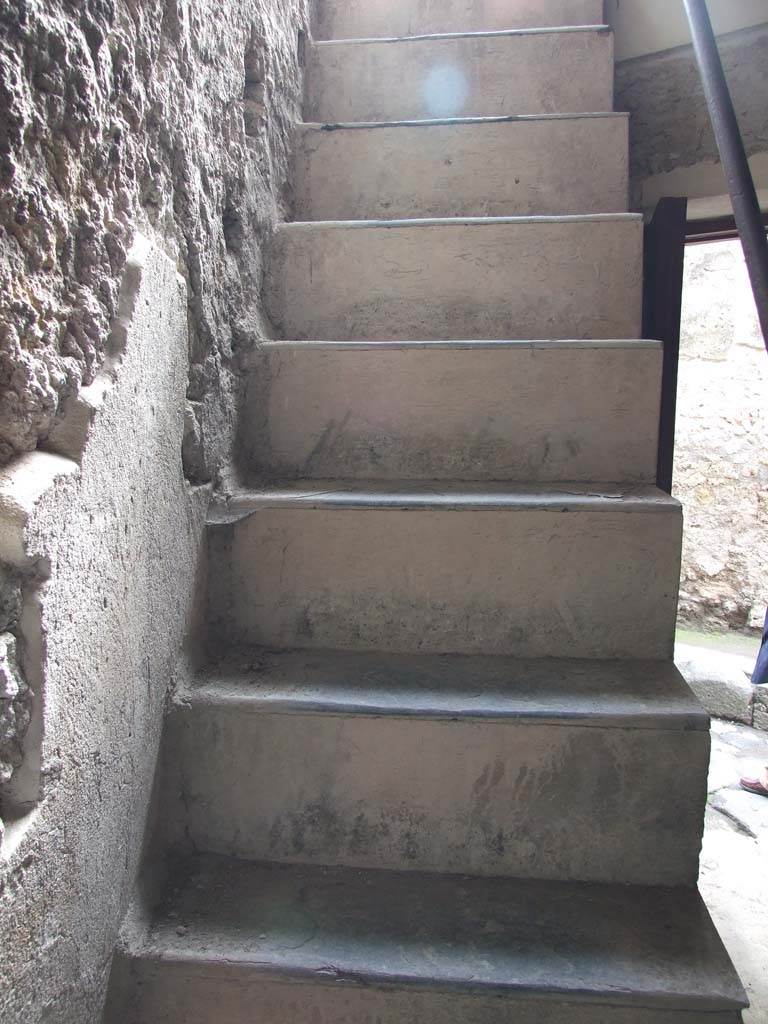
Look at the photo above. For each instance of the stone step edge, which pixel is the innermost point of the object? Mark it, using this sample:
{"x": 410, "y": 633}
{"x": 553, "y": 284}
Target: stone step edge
{"x": 244, "y": 969}
{"x": 497, "y": 33}
{"x": 147, "y": 941}
{"x": 450, "y": 122}
{"x": 290, "y": 683}
{"x": 549, "y": 344}
{"x": 437, "y": 222}
{"x": 428, "y": 497}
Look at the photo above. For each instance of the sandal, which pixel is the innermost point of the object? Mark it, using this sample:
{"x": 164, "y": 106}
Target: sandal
{"x": 754, "y": 786}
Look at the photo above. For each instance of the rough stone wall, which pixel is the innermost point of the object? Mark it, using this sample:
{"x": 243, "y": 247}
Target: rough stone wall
{"x": 721, "y": 462}
{"x": 174, "y": 114}
{"x": 670, "y": 126}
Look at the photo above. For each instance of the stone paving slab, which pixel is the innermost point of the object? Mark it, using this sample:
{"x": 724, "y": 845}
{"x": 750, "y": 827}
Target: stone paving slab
{"x": 735, "y": 858}
{"x": 721, "y": 679}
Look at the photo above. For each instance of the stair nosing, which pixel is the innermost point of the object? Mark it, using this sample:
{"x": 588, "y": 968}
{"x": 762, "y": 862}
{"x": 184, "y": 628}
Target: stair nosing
{"x": 601, "y": 29}
{"x": 427, "y": 222}
{"x": 238, "y": 693}
{"x": 619, "y": 344}
{"x": 285, "y": 974}
{"x": 421, "y": 496}
{"x": 203, "y": 697}
{"x": 437, "y": 122}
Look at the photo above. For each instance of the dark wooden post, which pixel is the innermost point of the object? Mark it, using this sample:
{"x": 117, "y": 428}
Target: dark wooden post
{"x": 662, "y": 309}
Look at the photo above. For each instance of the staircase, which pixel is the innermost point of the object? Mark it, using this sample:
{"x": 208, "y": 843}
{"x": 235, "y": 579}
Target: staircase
{"x": 438, "y": 765}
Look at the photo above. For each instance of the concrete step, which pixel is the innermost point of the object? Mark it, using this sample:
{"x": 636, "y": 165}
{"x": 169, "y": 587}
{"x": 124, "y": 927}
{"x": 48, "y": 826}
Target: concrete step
{"x": 236, "y": 942}
{"x": 476, "y": 167}
{"x": 484, "y": 278}
{"x": 359, "y": 19}
{"x": 568, "y": 570}
{"x": 484, "y": 74}
{"x": 489, "y": 766}
{"x": 534, "y": 411}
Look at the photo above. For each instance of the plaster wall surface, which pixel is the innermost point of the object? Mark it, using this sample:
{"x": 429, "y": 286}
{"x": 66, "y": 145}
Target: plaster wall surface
{"x": 651, "y": 26}
{"x": 672, "y": 146}
{"x": 721, "y": 465}
{"x": 115, "y": 542}
{"x": 171, "y": 114}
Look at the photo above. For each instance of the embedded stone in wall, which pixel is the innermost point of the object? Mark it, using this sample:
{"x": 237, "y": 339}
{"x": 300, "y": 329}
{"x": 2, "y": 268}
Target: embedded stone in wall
{"x": 15, "y": 708}
{"x": 15, "y": 695}
{"x": 10, "y": 599}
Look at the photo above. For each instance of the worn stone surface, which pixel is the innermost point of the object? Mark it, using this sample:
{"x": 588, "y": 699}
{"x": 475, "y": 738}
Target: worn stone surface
{"x": 184, "y": 994}
{"x": 760, "y": 708}
{"x": 472, "y": 794}
{"x": 499, "y": 278}
{"x": 734, "y": 856}
{"x": 474, "y": 168}
{"x": 669, "y": 124}
{"x": 357, "y": 19}
{"x": 115, "y": 113}
{"x": 307, "y": 944}
{"x": 721, "y": 464}
{"x": 117, "y": 540}
{"x": 618, "y": 694}
{"x": 720, "y": 680}
{"x": 465, "y": 76}
{"x": 444, "y": 571}
{"x": 466, "y": 411}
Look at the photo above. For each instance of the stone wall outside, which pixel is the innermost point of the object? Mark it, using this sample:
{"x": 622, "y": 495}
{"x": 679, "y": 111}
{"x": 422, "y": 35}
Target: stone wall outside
{"x": 721, "y": 462}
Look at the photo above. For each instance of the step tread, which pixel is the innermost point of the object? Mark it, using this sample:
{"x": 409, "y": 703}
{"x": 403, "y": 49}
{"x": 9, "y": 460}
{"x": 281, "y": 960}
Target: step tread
{"x": 376, "y": 495}
{"x": 621, "y": 694}
{"x": 442, "y": 122}
{"x": 493, "y": 34}
{"x": 616, "y": 945}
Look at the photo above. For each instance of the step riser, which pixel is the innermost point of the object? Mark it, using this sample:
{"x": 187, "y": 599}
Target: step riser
{"x": 367, "y": 19}
{"x": 502, "y": 169}
{"x": 463, "y": 76}
{"x": 591, "y": 584}
{"x": 172, "y": 993}
{"x": 499, "y": 280}
{"x": 480, "y": 798}
{"x": 515, "y": 413}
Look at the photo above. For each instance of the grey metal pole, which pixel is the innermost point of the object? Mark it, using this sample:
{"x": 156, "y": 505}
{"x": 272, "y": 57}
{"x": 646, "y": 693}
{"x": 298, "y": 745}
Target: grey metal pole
{"x": 746, "y": 208}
